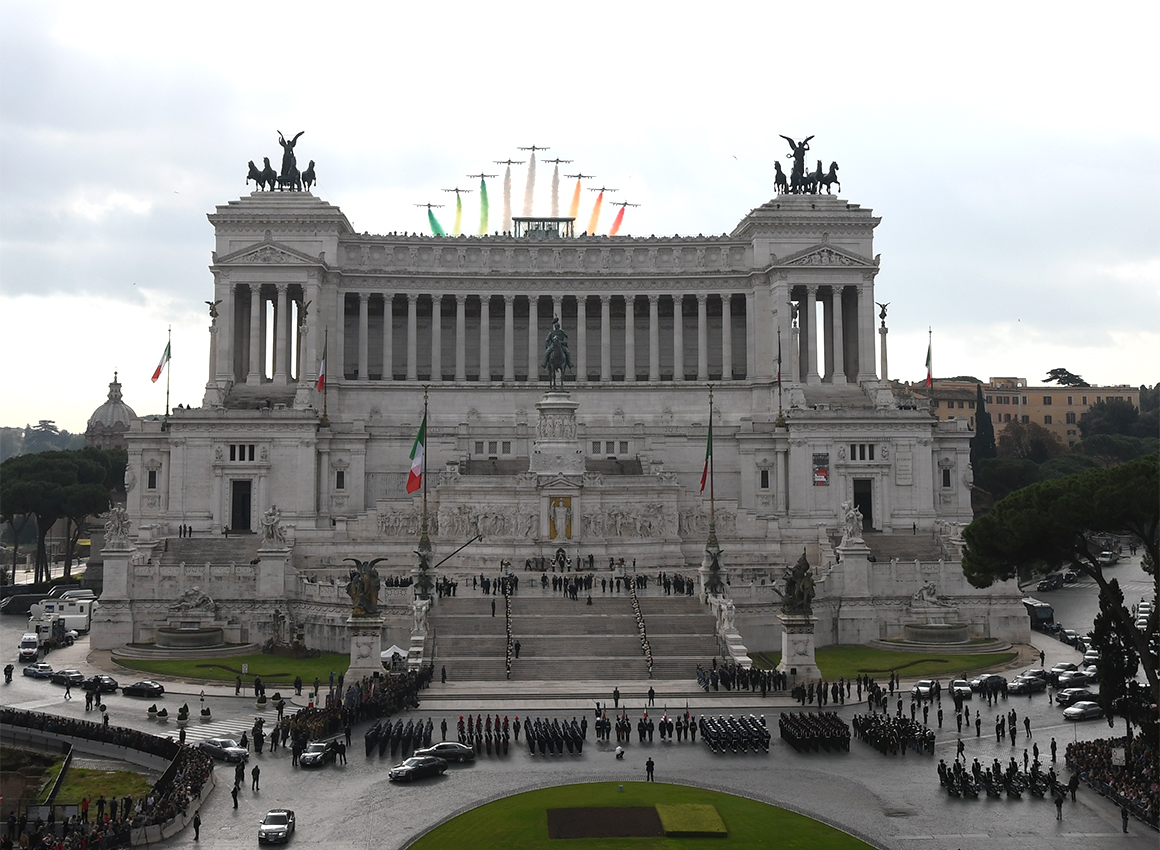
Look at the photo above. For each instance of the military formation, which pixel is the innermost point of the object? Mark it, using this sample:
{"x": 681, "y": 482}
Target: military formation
{"x": 735, "y": 734}
{"x": 808, "y": 731}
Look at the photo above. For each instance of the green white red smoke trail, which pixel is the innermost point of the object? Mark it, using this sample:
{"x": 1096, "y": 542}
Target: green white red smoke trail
{"x": 458, "y": 228}
{"x": 556, "y": 191}
{"x": 507, "y": 200}
{"x": 574, "y": 207}
{"x": 530, "y": 187}
{"x": 482, "y": 207}
{"x": 616, "y": 223}
{"x": 436, "y": 227}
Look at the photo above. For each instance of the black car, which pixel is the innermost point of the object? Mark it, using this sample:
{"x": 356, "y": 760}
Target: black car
{"x": 417, "y": 767}
{"x": 1062, "y": 667}
{"x": 993, "y": 681}
{"x": 1052, "y": 582}
{"x": 1070, "y": 696}
{"x": 1026, "y": 685}
{"x": 449, "y": 750}
{"x": 100, "y": 684}
{"x": 1036, "y": 673}
{"x": 225, "y": 748}
{"x": 72, "y": 677}
{"x": 143, "y": 689}
{"x": 276, "y": 827}
{"x": 318, "y": 754}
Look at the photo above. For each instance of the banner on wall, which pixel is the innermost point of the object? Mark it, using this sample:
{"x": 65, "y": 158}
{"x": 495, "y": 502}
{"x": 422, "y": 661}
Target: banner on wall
{"x": 821, "y": 469}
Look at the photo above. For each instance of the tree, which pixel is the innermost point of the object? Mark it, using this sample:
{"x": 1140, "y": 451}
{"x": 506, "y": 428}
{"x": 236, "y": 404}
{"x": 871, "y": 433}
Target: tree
{"x": 45, "y": 436}
{"x": 1001, "y": 477}
{"x": 1118, "y": 661}
{"x": 1108, "y": 417}
{"x": 1113, "y": 449}
{"x": 1149, "y": 398}
{"x": 1029, "y": 441}
{"x": 1065, "y": 378}
{"x": 1050, "y": 525}
{"x": 55, "y": 485}
{"x": 983, "y": 443}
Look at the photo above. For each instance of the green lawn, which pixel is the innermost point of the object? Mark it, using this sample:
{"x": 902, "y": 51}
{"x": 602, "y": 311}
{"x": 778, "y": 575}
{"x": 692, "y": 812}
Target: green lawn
{"x": 81, "y": 782}
{"x": 274, "y": 669}
{"x": 850, "y": 661}
{"x": 521, "y": 822}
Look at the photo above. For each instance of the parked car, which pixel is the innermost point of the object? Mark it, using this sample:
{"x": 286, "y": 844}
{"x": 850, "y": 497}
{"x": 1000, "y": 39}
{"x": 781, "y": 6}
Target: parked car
{"x": 100, "y": 684}
{"x": 276, "y": 827}
{"x": 73, "y": 677}
{"x": 1069, "y": 636}
{"x": 417, "y": 767}
{"x": 1072, "y": 679}
{"x": 143, "y": 689}
{"x": 992, "y": 681}
{"x": 226, "y": 749}
{"x": 39, "y": 670}
{"x": 923, "y": 689}
{"x": 1026, "y": 685}
{"x": 1083, "y": 710}
{"x": 1092, "y": 672}
{"x": 1070, "y": 696}
{"x": 1107, "y": 558}
{"x": 449, "y": 750}
{"x": 961, "y": 687}
{"x": 318, "y": 754}
{"x": 1062, "y": 667}
{"x": 1091, "y": 656}
{"x": 1052, "y": 582}
{"x": 1037, "y": 672}
{"x": 1070, "y": 576}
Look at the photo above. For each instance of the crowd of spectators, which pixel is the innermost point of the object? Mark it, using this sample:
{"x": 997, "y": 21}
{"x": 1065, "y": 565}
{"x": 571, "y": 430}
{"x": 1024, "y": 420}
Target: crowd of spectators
{"x": 110, "y": 824}
{"x": 1135, "y": 785}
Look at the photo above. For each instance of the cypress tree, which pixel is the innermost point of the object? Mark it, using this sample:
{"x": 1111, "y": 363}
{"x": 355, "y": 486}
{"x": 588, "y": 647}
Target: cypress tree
{"x": 983, "y": 443}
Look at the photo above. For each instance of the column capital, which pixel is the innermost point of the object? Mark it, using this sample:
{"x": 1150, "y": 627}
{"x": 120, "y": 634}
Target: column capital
{"x": 654, "y": 298}
{"x": 509, "y": 298}
{"x": 412, "y": 298}
{"x": 460, "y": 298}
{"x": 282, "y": 288}
{"x": 255, "y": 287}
{"x": 702, "y": 297}
{"x": 362, "y": 297}
{"x": 605, "y": 298}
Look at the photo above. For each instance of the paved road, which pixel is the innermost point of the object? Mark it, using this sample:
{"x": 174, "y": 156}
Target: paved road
{"x": 891, "y": 802}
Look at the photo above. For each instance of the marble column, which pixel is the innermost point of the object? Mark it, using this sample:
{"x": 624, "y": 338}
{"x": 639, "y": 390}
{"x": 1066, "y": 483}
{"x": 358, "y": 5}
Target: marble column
{"x": 702, "y": 337}
{"x": 338, "y": 370}
{"x": 864, "y": 322}
{"x": 364, "y": 324}
{"x": 437, "y": 337}
{"x": 509, "y": 338}
{"x": 254, "y": 375}
{"x": 678, "y": 337}
{"x": 838, "y": 376}
{"x": 580, "y": 354}
{"x": 533, "y": 341}
{"x": 630, "y": 337}
{"x": 726, "y": 338}
{"x": 811, "y": 323}
{"x": 654, "y": 338}
{"x": 485, "y": 337}
{"x": 412, "y": 336}
{"x": 605, "y": 338}
{"x": 281, "y": 337}
{"x": 388, "y": 337}
{"x": 558, "y": 308}
{"x": 460, "y": 334}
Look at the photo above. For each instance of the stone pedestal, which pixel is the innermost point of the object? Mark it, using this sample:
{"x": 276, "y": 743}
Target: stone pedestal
{"x": 555, "y": 450}
{"x": 797, "y": 647}
{"x": 272, "y": 564}
{"x": 857, "y": 616}
{"x": 366, "y": 646}
{"x": 112, "y": 624}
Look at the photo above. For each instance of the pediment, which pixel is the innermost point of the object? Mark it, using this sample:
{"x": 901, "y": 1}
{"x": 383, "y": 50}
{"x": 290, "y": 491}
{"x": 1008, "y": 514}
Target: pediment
{"x": 269, "y": 253}
{"x": 825, "y": 255}
{"x": 561, "y": 481}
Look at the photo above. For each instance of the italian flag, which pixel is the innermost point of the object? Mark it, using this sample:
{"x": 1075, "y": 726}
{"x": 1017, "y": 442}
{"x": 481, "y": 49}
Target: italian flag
{"x": 928, "y": 372}
{"x": 320, "y": 385}
{"x": 708, "y": 456}
{"x": 415, "y": 479}
{"x": 161, "y": 365}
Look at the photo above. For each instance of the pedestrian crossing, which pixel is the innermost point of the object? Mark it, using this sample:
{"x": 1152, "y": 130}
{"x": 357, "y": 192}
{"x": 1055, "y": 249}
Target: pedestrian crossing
{"x": 195, "y": 733}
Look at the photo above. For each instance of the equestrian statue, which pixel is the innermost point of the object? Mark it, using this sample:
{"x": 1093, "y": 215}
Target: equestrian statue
{"x": 557, "y": 358}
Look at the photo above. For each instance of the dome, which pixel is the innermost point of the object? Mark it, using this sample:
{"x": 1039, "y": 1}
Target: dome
{"x": 110, "y": 420}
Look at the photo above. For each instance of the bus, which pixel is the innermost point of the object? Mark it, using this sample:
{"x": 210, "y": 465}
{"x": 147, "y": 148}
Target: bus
{"x": 1042, "y": 615}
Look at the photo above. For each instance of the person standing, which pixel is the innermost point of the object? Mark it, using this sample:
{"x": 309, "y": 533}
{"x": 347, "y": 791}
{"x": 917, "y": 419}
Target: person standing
{"x": 493, "y": 607}
{"x": 1072, "y": 785}
{"x": 254, "y": 774}
{"x": 1059, "y": 805}
{"x": 649, "y": 766}
{"x": 443, "y": 674}
{"x": 234, "y": 794}
{"x": 1027, "y": 725}
{"x": 652, "y": 695}
{"x": 1124, "y": 817}
{"x": 1053, "y": 751}
{"x": 616, "y": 697}
{"x": 197, "y": 826}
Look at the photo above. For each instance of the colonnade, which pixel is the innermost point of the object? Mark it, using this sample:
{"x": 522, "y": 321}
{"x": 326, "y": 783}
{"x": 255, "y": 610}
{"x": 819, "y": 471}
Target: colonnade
{"x": 845, "y": 334}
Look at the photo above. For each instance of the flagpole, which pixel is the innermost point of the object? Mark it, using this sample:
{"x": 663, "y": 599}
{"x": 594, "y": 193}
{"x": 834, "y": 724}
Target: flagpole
{"x": 325, "y": 378}
{"x": 712, "y": 522}
{"x": 169, "y": 369}
{"x": 780, "y": 411}
{"x": 423, "y": 576}
{"x": 426, "y": 443}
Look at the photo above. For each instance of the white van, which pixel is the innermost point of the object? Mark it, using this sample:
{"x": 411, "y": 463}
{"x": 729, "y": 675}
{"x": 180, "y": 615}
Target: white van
{"x": 76, "y": 613}
{"x": 29, "y": 647}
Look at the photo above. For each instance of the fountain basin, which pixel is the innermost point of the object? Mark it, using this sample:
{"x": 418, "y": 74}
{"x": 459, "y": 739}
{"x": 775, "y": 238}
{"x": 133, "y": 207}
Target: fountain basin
{"x": 936, "y": 633}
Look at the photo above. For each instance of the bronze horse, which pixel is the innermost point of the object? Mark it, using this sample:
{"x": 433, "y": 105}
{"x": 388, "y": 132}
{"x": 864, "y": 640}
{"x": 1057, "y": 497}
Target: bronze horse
{"x": 829, "y": 179}
{"x": 556, "y": 358}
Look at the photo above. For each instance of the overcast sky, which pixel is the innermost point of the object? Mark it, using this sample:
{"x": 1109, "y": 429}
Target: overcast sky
{"x": 1011, "y": 150}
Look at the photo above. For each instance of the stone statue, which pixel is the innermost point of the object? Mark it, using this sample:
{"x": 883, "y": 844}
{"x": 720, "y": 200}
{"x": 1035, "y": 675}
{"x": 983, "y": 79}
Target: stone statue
{"x": 728, "y": 616}
{"x": 194, "y": 600}
{"x": 557, "y": 358}
{"x": 882, "y": 312}
{"x": 419, "y": 610}
{"x": 213, "y": 311}
{"x": 363, "y": 587}
{"x": 927, "y": 597}
{"x": 799, "y": 588}
{"x": 272, "y": 529}
{"x": 852, "y": 517}
{"x": 798, "y": 155}
{"x": 289, "y": 161}
{"x": 117, "y": 526}
{"x": 561, "y": 516}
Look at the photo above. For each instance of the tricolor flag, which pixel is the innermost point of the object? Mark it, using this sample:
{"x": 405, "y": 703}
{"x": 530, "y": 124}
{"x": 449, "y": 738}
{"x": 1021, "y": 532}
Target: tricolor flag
{"x": 928, "y": 372}
{"x": 779, "y": 357}
{"x": 321, "y": 384}
{"x": 415, "y": 479}
{"x": 161, "y": 365}
{"x": 708, "y": 455}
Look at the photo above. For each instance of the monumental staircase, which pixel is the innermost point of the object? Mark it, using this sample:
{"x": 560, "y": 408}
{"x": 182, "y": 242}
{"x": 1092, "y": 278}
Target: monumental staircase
{"x": 237, "y": 549}
{"x": 565, "y": 640}
{"x": 903, "y": 545}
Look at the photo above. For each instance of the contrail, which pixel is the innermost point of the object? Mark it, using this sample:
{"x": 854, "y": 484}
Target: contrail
{"x": 458, "y": 228}
{"x": 574, "y": 208}
{"x": 436, "y": 227}
{"x": 482, "y": 207}
{"x": 507, "y": 200}
{"x": 530, "y": 189}
{"x": 592, "y": 222}
{"x": 616, "y": 223}
{"x": 556, "y": 191}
